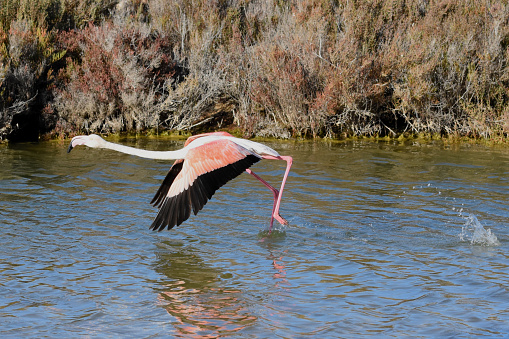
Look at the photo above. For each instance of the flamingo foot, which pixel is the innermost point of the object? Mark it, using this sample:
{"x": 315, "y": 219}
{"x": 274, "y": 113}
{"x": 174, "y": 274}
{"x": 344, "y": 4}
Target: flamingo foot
{"x": 280, "y": 219}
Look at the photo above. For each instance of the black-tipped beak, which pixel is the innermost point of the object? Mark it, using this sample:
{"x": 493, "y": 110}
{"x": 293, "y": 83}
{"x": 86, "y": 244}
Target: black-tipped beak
{"x": 70, "y": 148}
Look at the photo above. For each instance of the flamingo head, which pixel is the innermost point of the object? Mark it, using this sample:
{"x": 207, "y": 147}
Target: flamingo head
{"x": 91, "y": 140}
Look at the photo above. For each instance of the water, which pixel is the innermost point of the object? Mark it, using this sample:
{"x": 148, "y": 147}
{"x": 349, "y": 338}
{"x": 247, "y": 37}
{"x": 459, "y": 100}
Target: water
{"x": 385, "y": 239}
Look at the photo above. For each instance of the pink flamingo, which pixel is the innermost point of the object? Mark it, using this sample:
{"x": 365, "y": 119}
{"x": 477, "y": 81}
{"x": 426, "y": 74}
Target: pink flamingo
{"x": 207, "y": 162}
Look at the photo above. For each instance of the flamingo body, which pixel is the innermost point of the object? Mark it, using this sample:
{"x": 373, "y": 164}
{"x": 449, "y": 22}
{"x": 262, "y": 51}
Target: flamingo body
{"x": 207, "y": 162}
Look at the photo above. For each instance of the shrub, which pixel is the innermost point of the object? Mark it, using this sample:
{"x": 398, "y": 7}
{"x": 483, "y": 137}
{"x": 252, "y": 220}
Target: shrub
{"x": 116, "y": 78}
{"x": 27, "y": 55}
{"x": 308, "y": 67}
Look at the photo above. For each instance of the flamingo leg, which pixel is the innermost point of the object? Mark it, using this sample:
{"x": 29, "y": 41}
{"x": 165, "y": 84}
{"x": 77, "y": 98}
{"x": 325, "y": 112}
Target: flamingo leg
{"x": 289, "y": 161}
{"x": 274, "y": 191}
{"x": 277, "y": 194}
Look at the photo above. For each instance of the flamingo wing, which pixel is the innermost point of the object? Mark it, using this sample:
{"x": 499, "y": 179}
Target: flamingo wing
{"x": 203, "y": 171}
{"x": 175, "y": 170}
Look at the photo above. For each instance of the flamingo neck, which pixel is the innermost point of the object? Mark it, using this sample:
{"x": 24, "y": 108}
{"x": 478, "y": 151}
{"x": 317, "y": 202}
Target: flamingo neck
{"x": 161, "y": 155}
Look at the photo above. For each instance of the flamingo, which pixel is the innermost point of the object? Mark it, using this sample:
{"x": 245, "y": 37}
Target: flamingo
{"x": 207, "y": 162}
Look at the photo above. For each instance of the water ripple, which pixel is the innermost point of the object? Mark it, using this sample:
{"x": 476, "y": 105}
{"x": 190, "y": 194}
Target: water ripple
{"x": 384, "y": 239}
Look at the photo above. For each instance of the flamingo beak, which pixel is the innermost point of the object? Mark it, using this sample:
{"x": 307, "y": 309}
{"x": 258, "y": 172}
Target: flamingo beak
{"x": 70, "y": 148}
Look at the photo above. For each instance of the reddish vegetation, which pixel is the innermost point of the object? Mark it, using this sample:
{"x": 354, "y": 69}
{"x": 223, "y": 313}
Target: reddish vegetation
{"x": 115, "y": 78}
{"x": 270, "y": 68}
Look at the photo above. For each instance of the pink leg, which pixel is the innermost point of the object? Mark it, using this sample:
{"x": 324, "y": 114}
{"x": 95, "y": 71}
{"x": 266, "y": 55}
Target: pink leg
{"x": 289, "y": 161}
{"x": 274, "y": 191}
{"x": 277, "y": 195}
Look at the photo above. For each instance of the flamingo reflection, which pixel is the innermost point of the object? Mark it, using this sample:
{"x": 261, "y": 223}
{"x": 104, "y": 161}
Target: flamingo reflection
{"x": 280, "y": 267}
{"x": 193, "y": 296}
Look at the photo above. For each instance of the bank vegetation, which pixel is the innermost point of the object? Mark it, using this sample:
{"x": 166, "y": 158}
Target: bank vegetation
{"x": 273, "y": 68}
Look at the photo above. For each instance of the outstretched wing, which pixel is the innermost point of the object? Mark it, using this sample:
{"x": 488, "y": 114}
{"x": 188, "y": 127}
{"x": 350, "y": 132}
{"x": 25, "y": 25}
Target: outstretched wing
{"x": 175, "y": 169}
{"x": 192, "y": 182}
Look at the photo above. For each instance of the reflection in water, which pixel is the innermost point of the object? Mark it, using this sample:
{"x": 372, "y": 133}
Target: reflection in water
{"x": 280, "y": 275}
{"x": 194, "y": 296}
{"x": 277, "y": 256}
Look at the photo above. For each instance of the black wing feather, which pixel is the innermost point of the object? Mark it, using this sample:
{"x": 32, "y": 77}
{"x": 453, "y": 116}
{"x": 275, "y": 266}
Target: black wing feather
{"x": 168, "y": 180}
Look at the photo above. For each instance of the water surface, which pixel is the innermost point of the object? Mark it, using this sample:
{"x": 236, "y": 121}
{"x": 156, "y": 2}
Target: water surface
{"x": 385, "y": 240}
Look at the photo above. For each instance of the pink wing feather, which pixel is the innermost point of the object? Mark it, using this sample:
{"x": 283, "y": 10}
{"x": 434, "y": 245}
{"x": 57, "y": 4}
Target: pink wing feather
{"x": 194, "y": 137}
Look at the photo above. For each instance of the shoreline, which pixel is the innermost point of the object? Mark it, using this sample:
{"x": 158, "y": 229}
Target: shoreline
{"x": 420, "y": 138}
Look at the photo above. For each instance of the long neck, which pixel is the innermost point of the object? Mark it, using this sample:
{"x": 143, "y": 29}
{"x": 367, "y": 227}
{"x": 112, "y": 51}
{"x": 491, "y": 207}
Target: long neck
{"x": 162, "y": 155}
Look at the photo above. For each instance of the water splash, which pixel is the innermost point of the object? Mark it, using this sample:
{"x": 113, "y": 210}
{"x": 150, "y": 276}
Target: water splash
{"x": 475, "y": 232}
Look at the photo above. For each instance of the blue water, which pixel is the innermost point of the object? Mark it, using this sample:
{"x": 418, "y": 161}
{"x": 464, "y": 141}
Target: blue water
{"x": 385, "y": 240}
